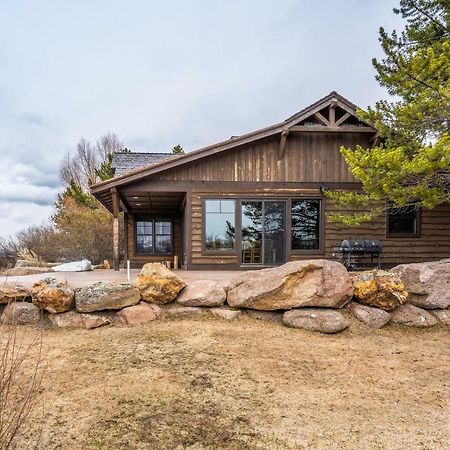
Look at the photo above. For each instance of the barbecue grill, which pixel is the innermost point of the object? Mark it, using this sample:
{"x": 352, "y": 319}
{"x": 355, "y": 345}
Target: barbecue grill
{"x": 351, "y": 252}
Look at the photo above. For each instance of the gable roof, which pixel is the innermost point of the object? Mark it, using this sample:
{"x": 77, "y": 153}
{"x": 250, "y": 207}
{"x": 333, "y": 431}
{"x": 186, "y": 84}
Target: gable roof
{"x": 124, "y": 162}
{"x": 332, "y": 98}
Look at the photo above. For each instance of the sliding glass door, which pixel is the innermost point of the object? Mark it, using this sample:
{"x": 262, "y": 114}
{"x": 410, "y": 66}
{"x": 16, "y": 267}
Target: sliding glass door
{"x": 263, "y": 231}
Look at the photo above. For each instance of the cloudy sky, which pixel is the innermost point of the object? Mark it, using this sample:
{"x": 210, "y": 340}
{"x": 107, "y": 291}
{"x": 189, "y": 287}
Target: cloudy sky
{"x": 161, "y": 73}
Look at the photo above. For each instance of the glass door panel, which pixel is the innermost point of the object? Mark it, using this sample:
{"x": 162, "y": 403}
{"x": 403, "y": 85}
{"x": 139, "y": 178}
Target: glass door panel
{"x": 274, "y": 232}
{"x": 252, "y": 235}
{"x": 263, "y": 232}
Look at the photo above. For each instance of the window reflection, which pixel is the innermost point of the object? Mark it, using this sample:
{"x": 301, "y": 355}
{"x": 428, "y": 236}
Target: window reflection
{"x": 220, "y": 228}
{"x": 305, "y": 224}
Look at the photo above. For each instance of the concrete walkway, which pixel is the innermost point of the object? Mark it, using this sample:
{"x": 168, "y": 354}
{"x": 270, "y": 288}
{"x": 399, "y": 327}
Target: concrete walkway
{"x": 81, "y": 279}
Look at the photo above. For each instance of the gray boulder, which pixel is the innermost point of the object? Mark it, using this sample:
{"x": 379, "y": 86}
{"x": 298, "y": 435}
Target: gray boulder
{"x": 266, "y": 316}
{"x": 413, "y": 316}
{"x": 443, "y": 315}
{"x": 370, "y": 316}
{"x": 428, "y": 283}
{"x": 226, "y": 313}
{"x": 20, "y": 313}
{"x": 295, "y": 284}
{"x": 202, "y": 293}
{"x": 102, "y": 296}
{"x": 314, "y": 319}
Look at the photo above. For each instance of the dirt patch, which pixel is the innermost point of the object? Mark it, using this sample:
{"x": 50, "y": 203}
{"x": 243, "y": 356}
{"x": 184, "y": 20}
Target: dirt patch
{"x": 205, "y": 383}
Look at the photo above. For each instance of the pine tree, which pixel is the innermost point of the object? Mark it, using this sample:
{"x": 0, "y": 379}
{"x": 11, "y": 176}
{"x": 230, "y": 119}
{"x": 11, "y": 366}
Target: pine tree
{"x": 411, "y": 165}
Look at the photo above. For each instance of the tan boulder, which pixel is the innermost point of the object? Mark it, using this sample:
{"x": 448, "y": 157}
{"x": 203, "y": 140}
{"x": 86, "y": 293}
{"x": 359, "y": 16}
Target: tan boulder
{"x": 295, "y": 284}
{"x": 20, "y": 313}
{"x": 380, "y": 289}
{"x": 53, "y": 295}
{"x": 157, "y": 283}
{"x": 139, "y": 314}
{"x": 413, "y": 316}
{"x": 13, "y": 293}
{"x": 326, "y": 321}
{"x": 100, "y": 296}
{"x": 428, "y": 283}
{"x": 69, "y": 319}
{"x": 202, "y": 293}
{"x": 94, "y": 321}
{"x": 370, "y": 316}
{"x": 182, "y": 311}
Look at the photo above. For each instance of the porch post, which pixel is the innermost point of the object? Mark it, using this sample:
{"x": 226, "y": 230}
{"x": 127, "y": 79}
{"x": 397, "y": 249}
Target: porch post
{"x": 115, "y": 204}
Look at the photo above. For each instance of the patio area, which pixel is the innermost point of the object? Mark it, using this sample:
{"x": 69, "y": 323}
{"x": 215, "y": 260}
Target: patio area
{"x": 82, "y": 279}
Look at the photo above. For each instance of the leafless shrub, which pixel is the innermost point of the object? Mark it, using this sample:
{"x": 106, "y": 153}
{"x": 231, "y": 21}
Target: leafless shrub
{"x": 21, "y": 374}
{"x": 80, "y": 168}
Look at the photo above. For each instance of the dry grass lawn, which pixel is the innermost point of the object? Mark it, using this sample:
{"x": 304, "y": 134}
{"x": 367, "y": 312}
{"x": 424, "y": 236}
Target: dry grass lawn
{"x": 205, "y": 383}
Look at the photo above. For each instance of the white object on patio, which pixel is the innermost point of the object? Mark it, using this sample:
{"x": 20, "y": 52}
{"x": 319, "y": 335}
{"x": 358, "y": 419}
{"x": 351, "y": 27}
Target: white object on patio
{"x": 75, "y": 266}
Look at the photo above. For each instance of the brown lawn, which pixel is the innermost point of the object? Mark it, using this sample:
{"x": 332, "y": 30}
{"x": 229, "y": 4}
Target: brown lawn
{"x": 205, "y": 383}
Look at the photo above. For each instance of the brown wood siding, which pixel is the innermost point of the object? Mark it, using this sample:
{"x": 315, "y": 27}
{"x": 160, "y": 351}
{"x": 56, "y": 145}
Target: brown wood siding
{"x": 309, "y": 157}
{"x": 432, "y": 244}
{"x": 137, "y": 261}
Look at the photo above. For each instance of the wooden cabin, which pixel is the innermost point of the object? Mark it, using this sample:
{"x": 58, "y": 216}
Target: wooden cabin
{"x": 256, "y": 200}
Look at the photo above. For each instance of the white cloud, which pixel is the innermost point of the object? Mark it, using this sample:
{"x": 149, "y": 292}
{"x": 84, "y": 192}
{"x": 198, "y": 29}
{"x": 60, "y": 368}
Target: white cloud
{"x": 15, "y": 217}
{"x": 165, "y": 73}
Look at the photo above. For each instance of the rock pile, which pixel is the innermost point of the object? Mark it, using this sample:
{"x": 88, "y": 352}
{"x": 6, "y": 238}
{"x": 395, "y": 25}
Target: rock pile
{"x": 317, "y": 295}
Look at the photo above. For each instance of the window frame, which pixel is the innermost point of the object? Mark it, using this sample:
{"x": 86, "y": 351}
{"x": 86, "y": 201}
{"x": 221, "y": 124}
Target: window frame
{"x": 321, "y": 249}
{"x": 238, "y": 238}
{"x": 154, "y": 219}
{"x": 225, "y": 252}
{"x": 394, "y": 235}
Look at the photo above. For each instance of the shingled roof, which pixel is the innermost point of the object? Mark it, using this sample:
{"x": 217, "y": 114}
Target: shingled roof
{"x": 123, "y": 163}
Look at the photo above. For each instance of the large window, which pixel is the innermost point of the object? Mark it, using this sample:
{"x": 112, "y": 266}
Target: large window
{"x": 306, "y": 224}
{"x": 153, "y": 236}
{"x": 403, "y": 221}
{"x": 220, "y": 225}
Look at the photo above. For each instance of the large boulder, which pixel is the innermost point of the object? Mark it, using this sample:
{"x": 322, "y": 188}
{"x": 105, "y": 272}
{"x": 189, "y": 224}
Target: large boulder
{"x": 380, "y": 289}
{"x": 183, "y": 311}
{"x": 370, "y": 316}
{"x": 413, "y": 316}
{"x": 28, "y": 263}
{"x": 74, "y": 319}
{"x": 22, "y": 271}
{"x": 13, "y": 293}
{"x": 20, "y": 313}
{"x": 75, "y": 266}
{"x": 158, "y": 284}
{"x": 139, "y": 314}
{"x": 94, "y": 321}
{"x": 69, "y": 319}
{"x": 100, "y": 296}
{"x": 315, "y": 319}
{"x": 320, "y": 283}
{"x": 202, "y": 293}
{"x": 443, "y": 315}
{"x": 226, "y": 313}
{"x": 428, "y": 283}
{"x": 55, "y": 296}
{"x": 266, "y": 316}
